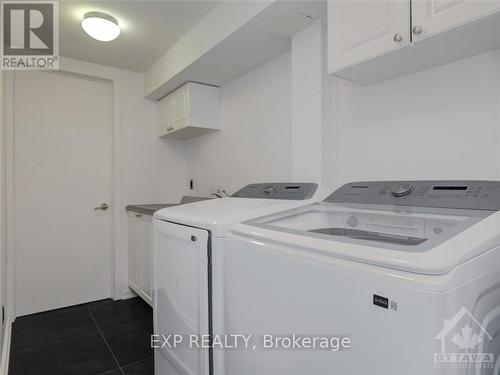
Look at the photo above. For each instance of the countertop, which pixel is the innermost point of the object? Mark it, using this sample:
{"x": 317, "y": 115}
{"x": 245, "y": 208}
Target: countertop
{"x": 150, "y": 209}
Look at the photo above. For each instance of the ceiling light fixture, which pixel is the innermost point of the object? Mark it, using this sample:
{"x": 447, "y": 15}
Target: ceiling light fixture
{"x": 101, "y": 26}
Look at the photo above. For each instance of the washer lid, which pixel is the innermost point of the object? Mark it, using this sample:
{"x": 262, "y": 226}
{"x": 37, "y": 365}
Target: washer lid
{"x": 405, "y": 230}
{"x": 421, "y": 240}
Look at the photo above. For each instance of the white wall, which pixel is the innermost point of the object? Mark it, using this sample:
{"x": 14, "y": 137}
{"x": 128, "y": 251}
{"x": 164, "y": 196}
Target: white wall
{"x": 307, "y": 104}
{"x": 254, "y": 142}
{"x": 442, "y": 123}
{"x": 313, "y": 127}
{"x": 153, "y": 169}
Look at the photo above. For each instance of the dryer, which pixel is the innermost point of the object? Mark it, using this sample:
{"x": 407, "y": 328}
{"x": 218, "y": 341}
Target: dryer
{"x": 407, "y": 273}
{"x": 188, "y": 271}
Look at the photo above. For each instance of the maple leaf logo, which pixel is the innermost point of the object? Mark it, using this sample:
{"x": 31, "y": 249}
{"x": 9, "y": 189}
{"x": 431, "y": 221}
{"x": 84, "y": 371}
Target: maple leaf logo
{"x": 467, "y": 339}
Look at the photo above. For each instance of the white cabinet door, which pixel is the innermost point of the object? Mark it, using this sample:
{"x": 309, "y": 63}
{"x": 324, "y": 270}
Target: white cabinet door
{"x": 362, "y": 30}
{"x": 431, "y": 17}
{"x": 169, "y": 115}
{"x": 140, "y": 262}
{"x": 147, "y": 261}
{"x": 165, "y": 114}
{"x": 181, "y": 107}
{"x": 134, "y": 252}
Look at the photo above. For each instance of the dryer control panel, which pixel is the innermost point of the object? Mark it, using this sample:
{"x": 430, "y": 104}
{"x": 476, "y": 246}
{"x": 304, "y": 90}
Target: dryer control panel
{"x": 463, "y": 194}
{"x": 291, "y": 191}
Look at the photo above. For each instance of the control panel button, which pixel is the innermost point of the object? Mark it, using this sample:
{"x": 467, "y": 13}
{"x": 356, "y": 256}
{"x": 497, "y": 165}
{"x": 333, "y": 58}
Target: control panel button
{"x": 402, "y": 190}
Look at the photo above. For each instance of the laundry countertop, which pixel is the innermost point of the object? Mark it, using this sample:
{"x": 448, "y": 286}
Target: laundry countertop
{"x": 150, "y": 209}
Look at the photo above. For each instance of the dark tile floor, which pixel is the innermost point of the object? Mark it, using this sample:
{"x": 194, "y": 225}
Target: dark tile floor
{"x": 99, "y": 338}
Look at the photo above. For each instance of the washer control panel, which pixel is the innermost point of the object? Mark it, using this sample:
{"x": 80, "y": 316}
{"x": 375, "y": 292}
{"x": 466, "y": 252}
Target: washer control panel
{"x": 292, "y": 191}
{"x": 480, "y": 195}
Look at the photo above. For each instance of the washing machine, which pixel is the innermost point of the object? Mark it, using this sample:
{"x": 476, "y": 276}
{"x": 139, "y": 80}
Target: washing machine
{"x": 380, "y": 278}
{"x": 188, "y": 271}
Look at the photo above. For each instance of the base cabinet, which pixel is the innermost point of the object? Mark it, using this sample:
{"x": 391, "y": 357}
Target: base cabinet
{"x": 140, "y": 262}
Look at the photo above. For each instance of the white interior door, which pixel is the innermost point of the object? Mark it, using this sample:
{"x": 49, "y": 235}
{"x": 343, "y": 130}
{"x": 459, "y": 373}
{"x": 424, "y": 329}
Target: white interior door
{"x": 63, "y": 170}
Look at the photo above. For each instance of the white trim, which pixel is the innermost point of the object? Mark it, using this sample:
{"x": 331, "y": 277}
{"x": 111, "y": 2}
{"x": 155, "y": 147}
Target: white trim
{"x": 4, "y": 361}
{"x": 9, "y": 191}
{"x": 68, "y": 66}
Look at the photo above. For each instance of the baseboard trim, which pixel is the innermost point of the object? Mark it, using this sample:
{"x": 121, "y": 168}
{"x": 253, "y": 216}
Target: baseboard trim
{"x": 4, "y": 361}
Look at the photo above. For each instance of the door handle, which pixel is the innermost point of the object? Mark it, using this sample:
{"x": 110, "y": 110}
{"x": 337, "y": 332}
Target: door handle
{"x": 102, "y": 207}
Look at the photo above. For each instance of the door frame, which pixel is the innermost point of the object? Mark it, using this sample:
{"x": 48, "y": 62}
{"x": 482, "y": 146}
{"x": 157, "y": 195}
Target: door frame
{"x": 86, "y": 70}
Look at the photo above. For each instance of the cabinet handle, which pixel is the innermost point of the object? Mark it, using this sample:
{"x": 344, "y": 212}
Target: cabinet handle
{"x": 398, "y": 37}
{"x": 417, "y": 30}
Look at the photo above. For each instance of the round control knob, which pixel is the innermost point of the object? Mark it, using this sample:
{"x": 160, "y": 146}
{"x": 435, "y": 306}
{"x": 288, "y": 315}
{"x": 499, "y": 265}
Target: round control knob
{"x": 352, "y": 221}
{"x": 402, "y": 191}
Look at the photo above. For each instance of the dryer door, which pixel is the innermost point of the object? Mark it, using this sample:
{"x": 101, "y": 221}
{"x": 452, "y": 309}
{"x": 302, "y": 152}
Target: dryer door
{"x": 181, "y": 287}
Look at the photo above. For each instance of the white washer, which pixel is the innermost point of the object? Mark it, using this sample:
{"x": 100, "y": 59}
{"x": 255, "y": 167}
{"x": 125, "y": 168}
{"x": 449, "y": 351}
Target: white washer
{"x": 409, "y": 271}
{"x": 188, "y": 264}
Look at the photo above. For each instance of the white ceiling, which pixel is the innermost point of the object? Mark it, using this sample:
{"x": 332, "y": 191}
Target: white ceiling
{"x": 148, "y": 29}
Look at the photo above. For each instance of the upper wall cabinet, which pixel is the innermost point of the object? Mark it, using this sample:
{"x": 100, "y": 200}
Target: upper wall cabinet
{"x": 189, "y": 111}
{"x": 361, "y": 30}
{"x": 371, "y": 41}
{"x": 431, "y": 17}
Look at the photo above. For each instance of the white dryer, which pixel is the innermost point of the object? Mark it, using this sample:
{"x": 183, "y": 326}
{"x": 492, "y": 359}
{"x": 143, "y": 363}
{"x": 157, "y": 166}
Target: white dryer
{"x": 188, "y": 265}
{"x": 407, "y": 273}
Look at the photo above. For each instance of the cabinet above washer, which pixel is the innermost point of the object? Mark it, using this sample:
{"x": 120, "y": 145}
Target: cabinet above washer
{"x": 373, "y": 41}
{"x": 189, "y": 111}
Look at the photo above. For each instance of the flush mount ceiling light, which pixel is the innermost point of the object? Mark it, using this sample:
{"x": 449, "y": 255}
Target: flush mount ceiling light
{"x": 100, "y": 26}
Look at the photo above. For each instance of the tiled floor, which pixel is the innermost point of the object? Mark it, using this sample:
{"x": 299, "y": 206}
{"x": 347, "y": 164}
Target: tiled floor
{"x": 104, "y": 337}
